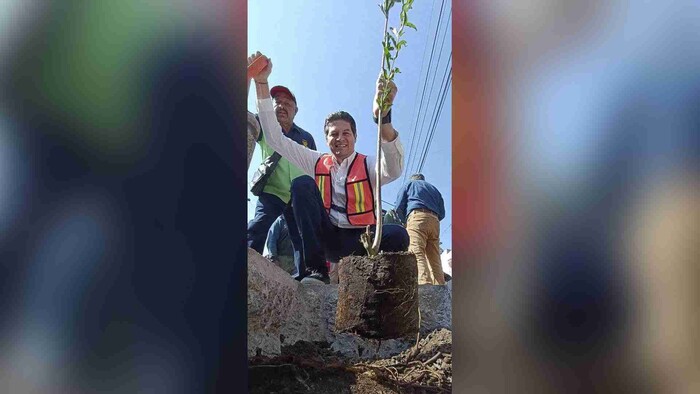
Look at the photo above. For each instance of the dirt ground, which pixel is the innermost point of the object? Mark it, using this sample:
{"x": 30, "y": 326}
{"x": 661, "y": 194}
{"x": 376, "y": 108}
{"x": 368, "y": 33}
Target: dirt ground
{"x": 313, "y": 368}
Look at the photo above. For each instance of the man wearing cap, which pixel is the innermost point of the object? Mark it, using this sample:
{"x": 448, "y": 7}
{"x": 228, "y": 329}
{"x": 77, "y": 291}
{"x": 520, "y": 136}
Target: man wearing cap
{"x": 334, "y": 208}
{"x": 275, "y": 196}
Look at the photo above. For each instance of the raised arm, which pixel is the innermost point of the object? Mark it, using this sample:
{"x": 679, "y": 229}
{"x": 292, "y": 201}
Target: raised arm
{"x": 297, "y": 154}
{"x": 392, "y": 150}
{"x": 388, "y": 132}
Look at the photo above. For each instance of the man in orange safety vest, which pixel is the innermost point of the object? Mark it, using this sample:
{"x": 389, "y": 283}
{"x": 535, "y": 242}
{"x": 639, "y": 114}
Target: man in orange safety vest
{"x": 333, "y": 204}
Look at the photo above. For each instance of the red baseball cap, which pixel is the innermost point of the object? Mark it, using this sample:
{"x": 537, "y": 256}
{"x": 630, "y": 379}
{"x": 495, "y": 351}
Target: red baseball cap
{"x": 282, "y": 89}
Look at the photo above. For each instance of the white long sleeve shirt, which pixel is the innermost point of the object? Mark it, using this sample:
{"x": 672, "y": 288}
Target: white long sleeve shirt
{"x": 305, "y": 159}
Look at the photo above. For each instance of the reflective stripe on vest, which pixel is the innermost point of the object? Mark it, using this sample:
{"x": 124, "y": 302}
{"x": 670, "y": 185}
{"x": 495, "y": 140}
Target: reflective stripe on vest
{"x": 359, "y": 201}
{"x": 323, "y": 180}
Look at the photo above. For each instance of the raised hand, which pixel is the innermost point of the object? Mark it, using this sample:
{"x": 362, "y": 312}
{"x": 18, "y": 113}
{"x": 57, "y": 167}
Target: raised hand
{"x": 264, "y": 74}
{"x": 378, "y": 91}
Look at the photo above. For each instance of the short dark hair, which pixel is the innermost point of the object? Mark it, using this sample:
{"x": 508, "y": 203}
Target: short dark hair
{"x": 340, "y": 115}
{"x": 417, "y": 177}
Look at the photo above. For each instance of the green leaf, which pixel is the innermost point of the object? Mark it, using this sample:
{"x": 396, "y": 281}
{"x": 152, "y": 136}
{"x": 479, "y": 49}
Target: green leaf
{"x": 411, "y": 25}
{"x": 397, "y": 71}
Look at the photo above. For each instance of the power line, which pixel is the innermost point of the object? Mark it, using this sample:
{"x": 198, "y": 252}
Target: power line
{"x": 416, "y": 131}
{"x": 437, "y": 107}
{"x": 436, "y": 117}
{"x": 386, "y": 202}
{"x": 420, "y": 74}
{"x": 414, "y": 126}
{"x": 432, "y": 126}
{"x": 418, "y": 137}
{"x": 442, "y": 44}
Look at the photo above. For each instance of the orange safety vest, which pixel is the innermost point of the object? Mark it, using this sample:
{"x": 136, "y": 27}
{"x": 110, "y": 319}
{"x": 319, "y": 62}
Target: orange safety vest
{"x": 359, "y": 201}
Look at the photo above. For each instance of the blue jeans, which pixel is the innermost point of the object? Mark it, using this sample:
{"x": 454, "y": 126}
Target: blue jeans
{"x": 267, "y": 210}
{"x": 316, "y": 239}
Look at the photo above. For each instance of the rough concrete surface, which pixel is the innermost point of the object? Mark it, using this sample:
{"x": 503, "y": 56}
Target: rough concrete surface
{"x": 435, "y": 304}
{"x": 282, "y": 312}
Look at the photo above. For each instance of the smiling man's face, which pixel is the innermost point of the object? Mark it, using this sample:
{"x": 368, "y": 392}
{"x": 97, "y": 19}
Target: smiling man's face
{"x": 340, "y": 139}
{"x": 285, "y": 109}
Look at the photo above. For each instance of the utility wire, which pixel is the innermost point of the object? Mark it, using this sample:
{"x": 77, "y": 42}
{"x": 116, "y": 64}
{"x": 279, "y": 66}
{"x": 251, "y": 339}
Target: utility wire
{"x": 386, "y": 202}
{"x": 418, "y": 130}
{"x": 426, "y": 132}
{"x": 421, "y": 77}
{"x": 422, "y": 131}
{"x": 436, "y": 117}
{"x": 415, "y": 130}
{"x": 432, "y": 127}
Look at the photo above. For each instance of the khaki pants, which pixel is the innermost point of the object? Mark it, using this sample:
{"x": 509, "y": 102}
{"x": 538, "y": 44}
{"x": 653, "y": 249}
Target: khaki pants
{"x": 424, "y": 230}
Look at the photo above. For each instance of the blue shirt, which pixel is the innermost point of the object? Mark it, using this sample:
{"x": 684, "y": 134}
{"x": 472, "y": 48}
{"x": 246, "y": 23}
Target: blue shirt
{"x": 298, "y": 135}
{"x": 419, "y": 194}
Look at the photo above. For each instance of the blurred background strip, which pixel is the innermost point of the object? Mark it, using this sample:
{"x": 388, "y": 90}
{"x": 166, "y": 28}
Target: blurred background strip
{"x": 122, "y": 213}
{"x": 575, "y": 247}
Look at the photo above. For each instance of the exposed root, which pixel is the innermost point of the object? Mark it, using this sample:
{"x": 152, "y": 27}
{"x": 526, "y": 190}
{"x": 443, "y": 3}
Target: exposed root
{"x": 433, "y": 375}
{"x": 425, "y": 367}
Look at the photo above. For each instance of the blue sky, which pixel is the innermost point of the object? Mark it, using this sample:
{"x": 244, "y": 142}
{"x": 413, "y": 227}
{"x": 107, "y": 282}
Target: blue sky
{"x": 329, "y": 54}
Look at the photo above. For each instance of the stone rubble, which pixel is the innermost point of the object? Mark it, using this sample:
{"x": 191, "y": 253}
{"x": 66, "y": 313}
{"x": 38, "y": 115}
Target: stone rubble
{"x": 282, "y": 312}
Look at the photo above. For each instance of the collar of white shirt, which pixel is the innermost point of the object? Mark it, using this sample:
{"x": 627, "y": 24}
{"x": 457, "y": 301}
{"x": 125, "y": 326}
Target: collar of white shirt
{"x": 345, "y": 162}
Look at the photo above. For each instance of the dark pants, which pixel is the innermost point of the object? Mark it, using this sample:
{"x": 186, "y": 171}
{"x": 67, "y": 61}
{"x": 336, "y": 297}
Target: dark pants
{"x": 316, "y": 239}
{"x": 268, "y": 209}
